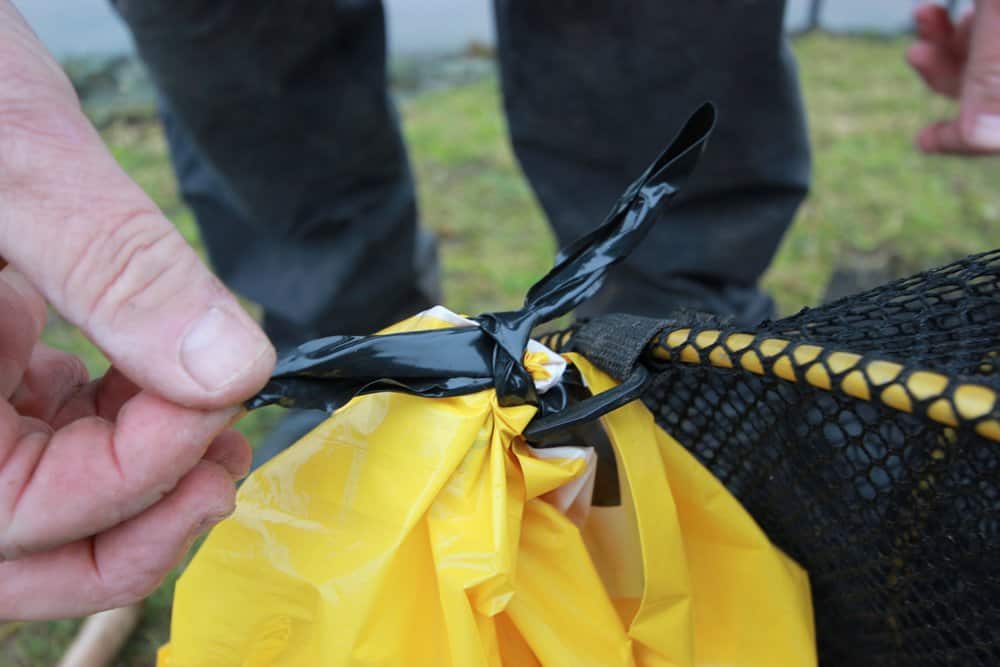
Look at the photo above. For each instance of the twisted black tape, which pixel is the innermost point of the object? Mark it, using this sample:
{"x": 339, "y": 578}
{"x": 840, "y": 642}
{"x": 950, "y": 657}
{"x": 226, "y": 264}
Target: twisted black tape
{"x": 328, "y": 372}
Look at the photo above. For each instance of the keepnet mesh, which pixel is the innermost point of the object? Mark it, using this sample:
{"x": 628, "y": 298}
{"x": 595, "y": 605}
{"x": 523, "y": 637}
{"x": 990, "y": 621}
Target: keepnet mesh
{"x": 864, "y": 437}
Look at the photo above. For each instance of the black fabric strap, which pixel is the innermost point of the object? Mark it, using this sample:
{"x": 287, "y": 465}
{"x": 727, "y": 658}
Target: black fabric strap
{"x": 614, "y": 343}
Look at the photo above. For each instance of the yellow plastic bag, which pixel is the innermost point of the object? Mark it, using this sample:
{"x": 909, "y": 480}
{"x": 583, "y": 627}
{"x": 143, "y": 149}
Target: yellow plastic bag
{"x": 425, "y": 531}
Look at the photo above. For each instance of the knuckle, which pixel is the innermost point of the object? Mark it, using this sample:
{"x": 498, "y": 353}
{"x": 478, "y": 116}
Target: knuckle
{"x": 72, "y": 369}
{"x": 53, "y": 380}
{"x": 58, "y": 368}
{"x": 131, "y": 265}
{"x": 68, "y": 370}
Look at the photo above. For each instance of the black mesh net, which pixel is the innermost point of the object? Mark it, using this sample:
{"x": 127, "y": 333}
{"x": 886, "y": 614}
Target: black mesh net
{"x": 864, "y": 437}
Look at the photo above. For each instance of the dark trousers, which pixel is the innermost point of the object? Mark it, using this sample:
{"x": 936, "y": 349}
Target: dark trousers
{"x": 287, "y": 147}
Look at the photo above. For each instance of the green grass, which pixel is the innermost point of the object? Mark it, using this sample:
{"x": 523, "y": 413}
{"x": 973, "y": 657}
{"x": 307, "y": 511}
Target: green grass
{"x": 495, "y": 242}
{"x": 872, "y": 191}
{"x": 873, "y": 194}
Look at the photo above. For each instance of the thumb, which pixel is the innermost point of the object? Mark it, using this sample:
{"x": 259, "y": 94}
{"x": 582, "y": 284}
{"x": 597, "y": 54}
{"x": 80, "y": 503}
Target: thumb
{"x": 980, "y": 99}
{"x": 99, "y": 250}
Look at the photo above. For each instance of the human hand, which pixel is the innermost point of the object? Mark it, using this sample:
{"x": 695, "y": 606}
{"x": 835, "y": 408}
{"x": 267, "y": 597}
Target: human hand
{"x": 103, "y": 485}
{"x": 961, "y": 61}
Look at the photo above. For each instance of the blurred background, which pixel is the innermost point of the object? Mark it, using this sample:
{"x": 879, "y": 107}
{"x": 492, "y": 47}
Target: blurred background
{"x": 90, "y": 26}
{"x": 878, "y": 209}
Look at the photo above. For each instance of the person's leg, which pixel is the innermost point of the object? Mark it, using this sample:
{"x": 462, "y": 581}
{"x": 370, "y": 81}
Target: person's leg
{"x": 593, "y": 92}
{"x": 287, "y": 149}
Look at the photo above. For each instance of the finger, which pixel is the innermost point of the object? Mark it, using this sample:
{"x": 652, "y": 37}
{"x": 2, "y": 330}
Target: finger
{"x": 979, "y": 104}
{"x": 231, "y": 450}
{"x": 933, "y": 23}
{"x": 939, "y": 69}
{"x": 940, "y": 137}
{"x": 20, "y": 326}
{"x": 947, "y": 137}
{"x": 100, "y": 251}
{"x": 113, "y": 391}
{"x": 122, "y": 565}
{"x": 962, "y": 36}
{"x": 105, "y": 398}
{"x": 91, "y": 474}
{"x": 102, "y": 398}
{"x": 50, "y": 381}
